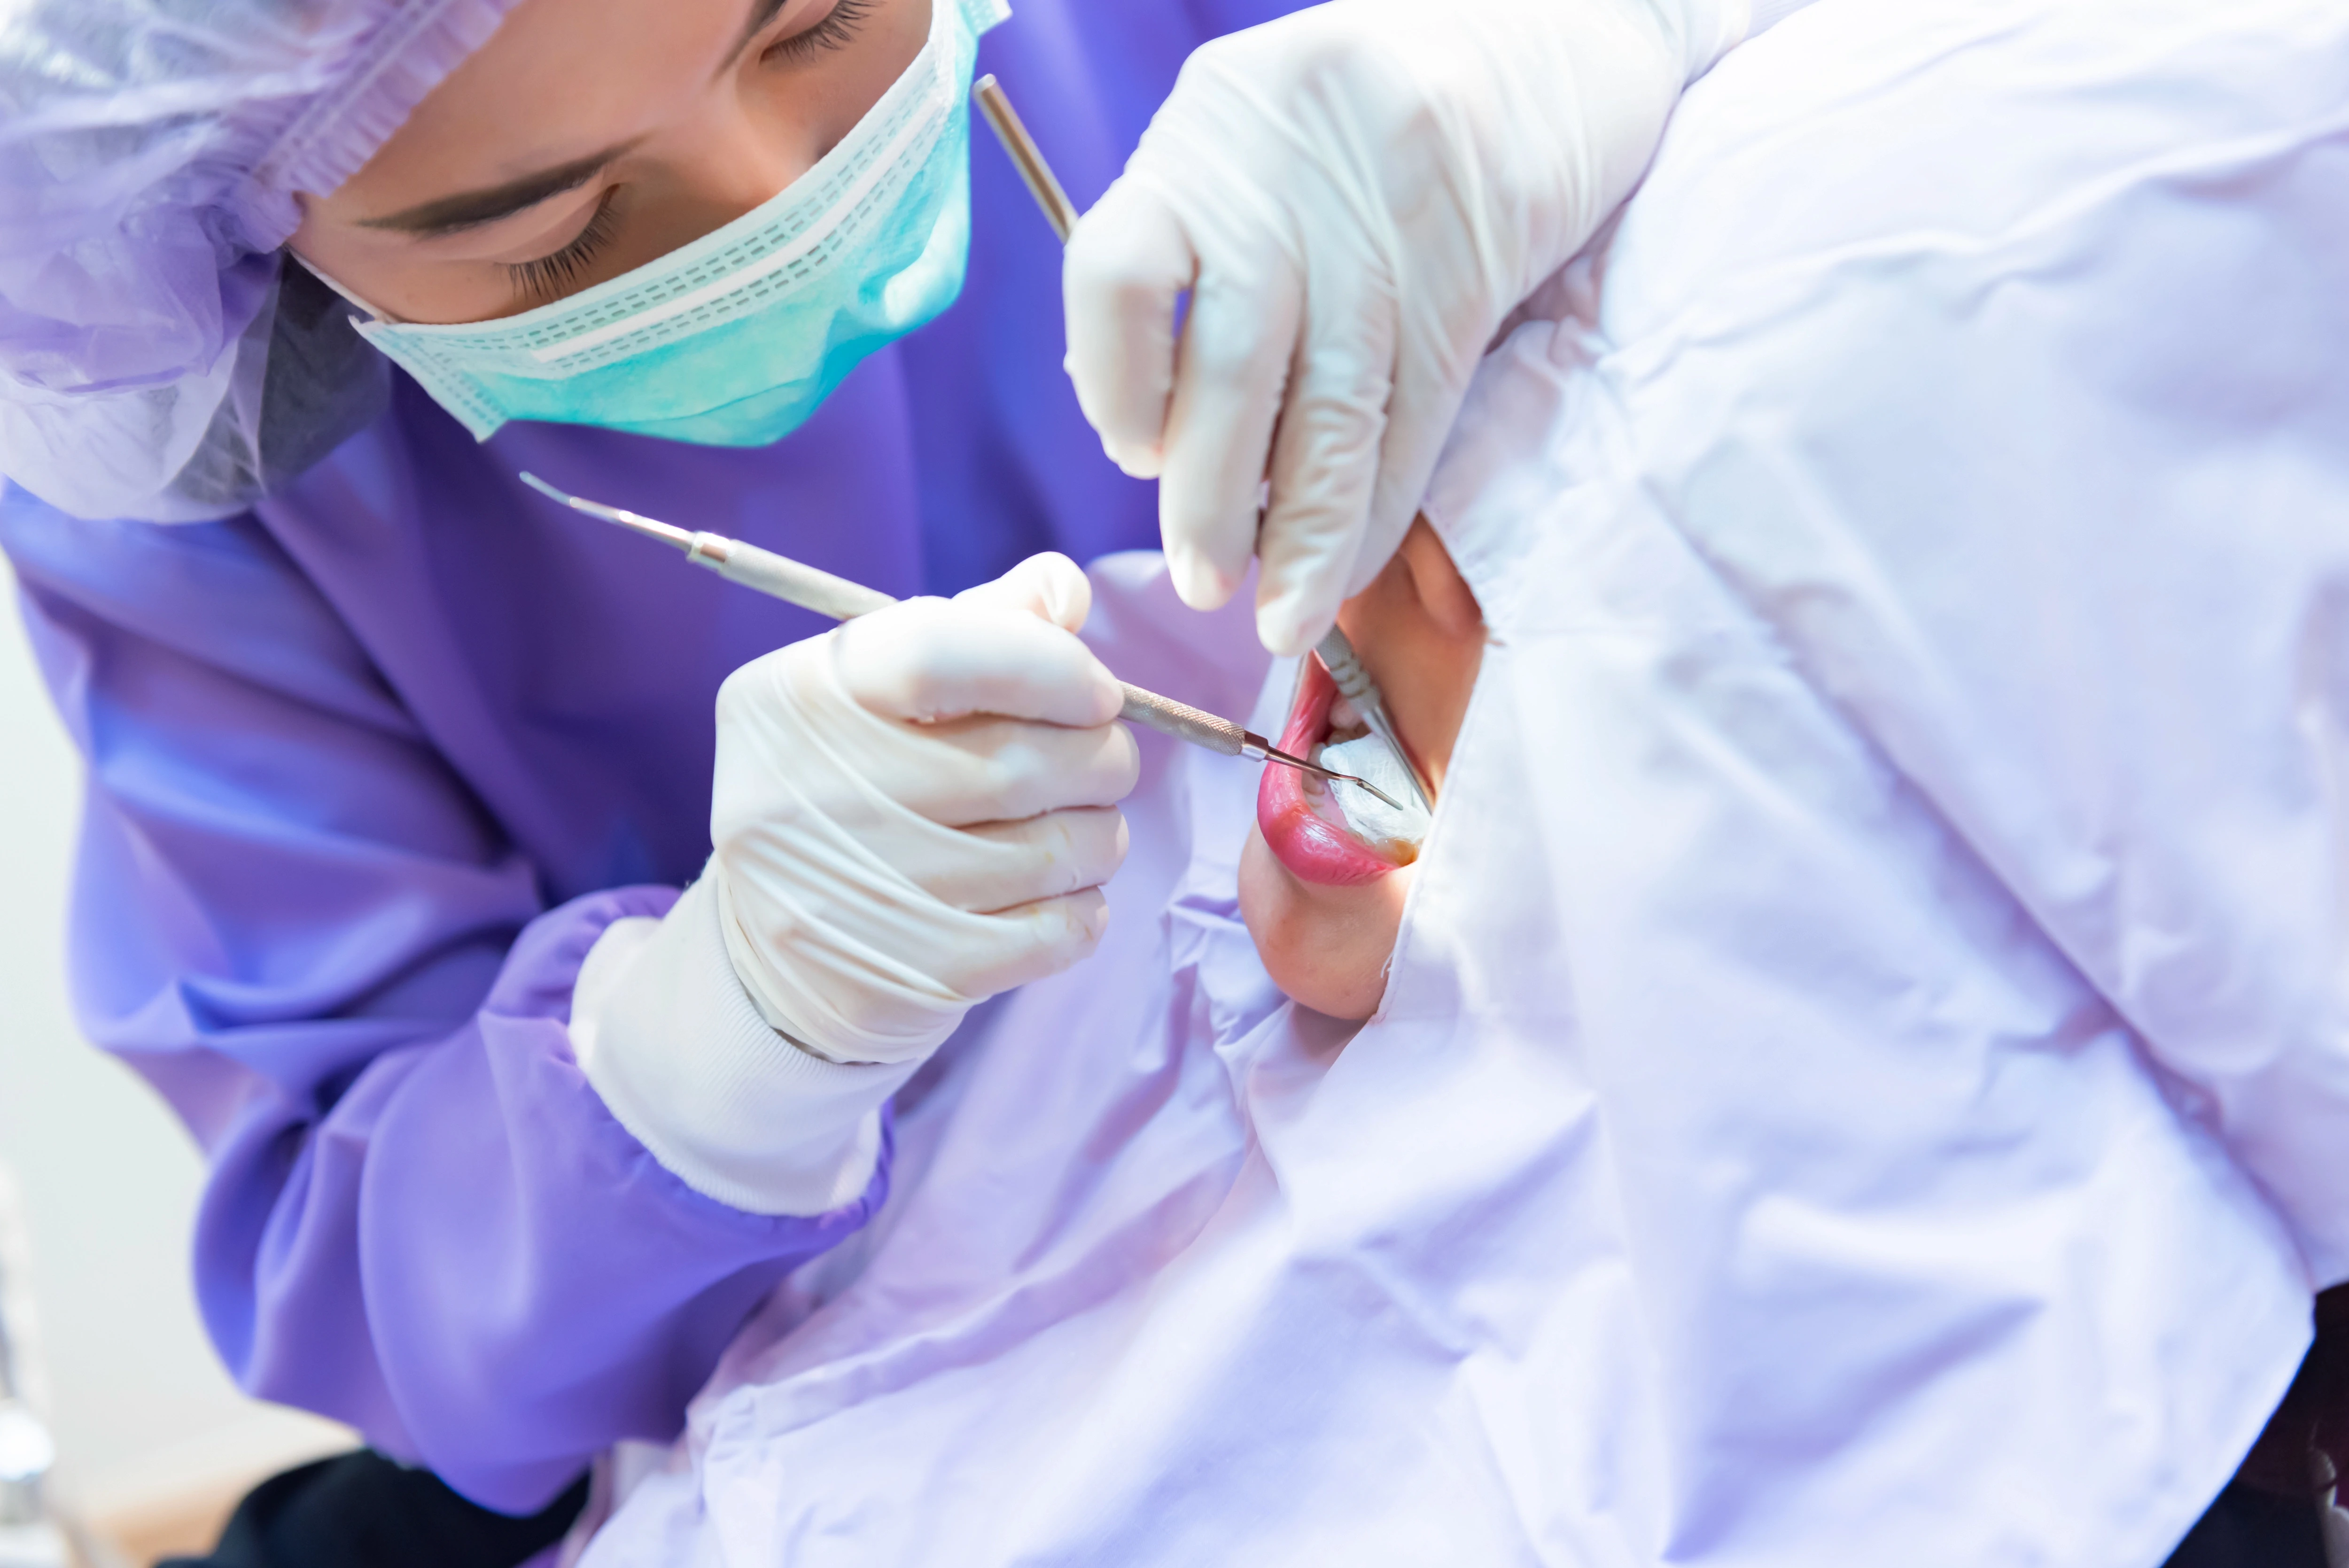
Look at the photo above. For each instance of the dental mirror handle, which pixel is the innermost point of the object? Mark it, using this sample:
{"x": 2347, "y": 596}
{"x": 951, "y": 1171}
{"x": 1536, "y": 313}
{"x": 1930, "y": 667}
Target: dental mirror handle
{"x": 1026, "y": 156}
{"x": 1337, "y": 655}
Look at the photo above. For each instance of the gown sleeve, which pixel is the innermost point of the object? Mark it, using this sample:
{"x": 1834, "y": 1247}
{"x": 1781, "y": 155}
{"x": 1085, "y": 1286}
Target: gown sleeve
{"x": 296, "y": 921}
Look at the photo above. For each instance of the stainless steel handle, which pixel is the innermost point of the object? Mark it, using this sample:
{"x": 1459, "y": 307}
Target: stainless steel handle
{"x": 1337, "y": 656}
{"x": 794, "y": 582}
{"x": 1026, "y": 157}
{"x": 1183, "y": 721}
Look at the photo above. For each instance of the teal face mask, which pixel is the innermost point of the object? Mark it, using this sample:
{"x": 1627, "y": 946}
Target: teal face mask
{"x": 735, "y": 339}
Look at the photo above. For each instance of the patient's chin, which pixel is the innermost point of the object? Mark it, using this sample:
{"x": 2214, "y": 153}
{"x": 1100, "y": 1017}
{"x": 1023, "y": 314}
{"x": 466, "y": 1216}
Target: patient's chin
{"x": 1325, "y": 946}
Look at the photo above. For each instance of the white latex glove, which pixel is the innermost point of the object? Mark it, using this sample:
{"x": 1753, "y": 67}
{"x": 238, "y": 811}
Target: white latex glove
{"x": 1355, "y": 196}
{"x": 916, "y": 811}
{"x": 911, "y": 814}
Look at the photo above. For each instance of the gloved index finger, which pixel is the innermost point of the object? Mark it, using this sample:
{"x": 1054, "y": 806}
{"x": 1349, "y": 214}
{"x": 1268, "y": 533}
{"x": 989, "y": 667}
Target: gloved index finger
{"x": 931, "y": 659}
{"x": 1128, "y": 262}
{"x": 1232, "y": 372}
{"x": 1049, "y": 584}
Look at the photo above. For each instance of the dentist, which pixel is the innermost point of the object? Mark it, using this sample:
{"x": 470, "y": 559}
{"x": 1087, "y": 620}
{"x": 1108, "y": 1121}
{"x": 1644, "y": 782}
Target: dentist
{"x": 534, "y": 1027}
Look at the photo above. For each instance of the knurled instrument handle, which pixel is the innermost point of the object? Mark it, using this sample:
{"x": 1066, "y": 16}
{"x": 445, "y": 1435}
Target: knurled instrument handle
{"x": 1185, "y": 722}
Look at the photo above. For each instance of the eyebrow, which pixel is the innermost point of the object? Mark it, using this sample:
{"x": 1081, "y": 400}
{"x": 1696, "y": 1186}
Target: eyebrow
{"x": 472, "y": 208}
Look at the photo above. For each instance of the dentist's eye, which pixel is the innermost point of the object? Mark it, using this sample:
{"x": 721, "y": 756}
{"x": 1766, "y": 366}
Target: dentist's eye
{"x": 550, "y": 277}
{"x": 839, "y": 25}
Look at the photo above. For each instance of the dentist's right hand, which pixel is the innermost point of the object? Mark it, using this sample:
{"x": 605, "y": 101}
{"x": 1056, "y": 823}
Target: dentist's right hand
{"x": 916, "y": 812}
{"x": 910, "y": 814}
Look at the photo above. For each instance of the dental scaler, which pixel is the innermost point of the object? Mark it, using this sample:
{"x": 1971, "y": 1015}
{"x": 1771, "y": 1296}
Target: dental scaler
{"x": 1335, "y": 652}
{"x": 812, "y": 588}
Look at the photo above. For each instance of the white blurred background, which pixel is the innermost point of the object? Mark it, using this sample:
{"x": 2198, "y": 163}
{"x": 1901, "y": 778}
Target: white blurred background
{"x": 153, "y": 1441}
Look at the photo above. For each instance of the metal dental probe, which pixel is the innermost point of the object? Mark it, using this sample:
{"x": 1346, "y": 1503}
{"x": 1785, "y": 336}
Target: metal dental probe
{"x": 1336, "y": 654}
{"x": 812, "y": 588}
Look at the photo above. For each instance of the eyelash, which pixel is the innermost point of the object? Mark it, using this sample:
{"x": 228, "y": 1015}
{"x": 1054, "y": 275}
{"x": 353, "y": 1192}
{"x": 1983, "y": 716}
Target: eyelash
{"x": 552, "y": 276}
{"x": 839, "y": 25}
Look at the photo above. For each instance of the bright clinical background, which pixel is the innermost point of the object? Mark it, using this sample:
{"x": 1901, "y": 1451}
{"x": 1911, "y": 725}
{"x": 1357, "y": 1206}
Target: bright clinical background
{"x": 152, "y": 1438}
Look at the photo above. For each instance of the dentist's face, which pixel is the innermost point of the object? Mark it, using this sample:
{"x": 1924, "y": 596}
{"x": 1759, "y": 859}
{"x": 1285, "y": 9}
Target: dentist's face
{"x": 588, "y": 137}
{"x": 1323, "y": 904}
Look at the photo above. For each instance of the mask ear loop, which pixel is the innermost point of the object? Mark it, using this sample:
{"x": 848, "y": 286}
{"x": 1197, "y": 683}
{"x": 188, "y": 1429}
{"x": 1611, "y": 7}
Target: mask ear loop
{"x": 375, "y": 317}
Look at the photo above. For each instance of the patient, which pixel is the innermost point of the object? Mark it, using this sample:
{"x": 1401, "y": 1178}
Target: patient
{"x": 1322, "y": 902}
{"x": 1853, "y": 1072}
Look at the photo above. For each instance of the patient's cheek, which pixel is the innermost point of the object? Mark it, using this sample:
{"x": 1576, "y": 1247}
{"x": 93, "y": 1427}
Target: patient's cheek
{"x": 1327, "y": 947}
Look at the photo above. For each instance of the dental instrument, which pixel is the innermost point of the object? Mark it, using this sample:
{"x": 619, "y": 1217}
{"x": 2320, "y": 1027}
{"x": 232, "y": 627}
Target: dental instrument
{"x": 1026, "y": 156}
{"x": 1335, "y": 651}
{"x": 1354, "y": 682}
{"x": 812, "y": 588}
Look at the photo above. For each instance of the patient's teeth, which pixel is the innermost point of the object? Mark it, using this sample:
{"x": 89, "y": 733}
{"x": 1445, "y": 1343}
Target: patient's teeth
{"x": 1342, "y": 714}
{"x": 1371, "y": 757}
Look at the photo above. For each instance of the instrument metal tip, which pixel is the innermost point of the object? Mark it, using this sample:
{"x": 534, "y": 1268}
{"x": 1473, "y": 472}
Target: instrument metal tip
{"x": 650, "y": 527}
{"x": 1300, "y": 763}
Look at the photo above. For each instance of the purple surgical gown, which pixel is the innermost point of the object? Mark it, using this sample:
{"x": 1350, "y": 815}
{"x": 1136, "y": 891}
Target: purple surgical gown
{"x": 372, "y": 765}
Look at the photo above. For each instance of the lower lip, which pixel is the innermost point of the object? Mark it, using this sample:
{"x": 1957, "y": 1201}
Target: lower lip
{"x": 1313, "y": 848}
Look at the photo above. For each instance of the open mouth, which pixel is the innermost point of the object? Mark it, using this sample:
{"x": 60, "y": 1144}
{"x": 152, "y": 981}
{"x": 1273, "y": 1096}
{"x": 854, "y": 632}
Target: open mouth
{"x": 1310, "y": 830}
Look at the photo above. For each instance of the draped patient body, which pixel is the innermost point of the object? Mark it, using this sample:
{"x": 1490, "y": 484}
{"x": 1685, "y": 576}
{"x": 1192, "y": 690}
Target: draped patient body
{"x": 1787, "y": 1066}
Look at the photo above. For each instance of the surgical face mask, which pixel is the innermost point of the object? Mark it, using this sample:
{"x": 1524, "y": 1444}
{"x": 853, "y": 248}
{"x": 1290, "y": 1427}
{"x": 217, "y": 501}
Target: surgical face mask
{"x": 735, "y": 339}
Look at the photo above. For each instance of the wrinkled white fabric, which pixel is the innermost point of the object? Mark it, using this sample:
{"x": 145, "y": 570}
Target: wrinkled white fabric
{"x": 1861, "y": 1076}
{"x": 1765, "y": 14}
{"x": 916, "y": 811}
{"x": 1354, "y": 196}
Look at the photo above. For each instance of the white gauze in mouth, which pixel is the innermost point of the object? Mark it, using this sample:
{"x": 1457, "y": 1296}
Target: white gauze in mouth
{"x": 1368, "y": 756}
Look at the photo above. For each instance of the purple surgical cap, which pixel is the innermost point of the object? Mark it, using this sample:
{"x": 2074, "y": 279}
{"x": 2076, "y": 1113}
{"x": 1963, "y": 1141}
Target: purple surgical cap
{"x": 149, "y": 151}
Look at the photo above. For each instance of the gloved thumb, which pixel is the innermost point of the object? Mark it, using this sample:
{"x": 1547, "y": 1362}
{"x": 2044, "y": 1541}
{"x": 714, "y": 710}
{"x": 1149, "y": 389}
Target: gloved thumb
{"x": 1050, "y": 585}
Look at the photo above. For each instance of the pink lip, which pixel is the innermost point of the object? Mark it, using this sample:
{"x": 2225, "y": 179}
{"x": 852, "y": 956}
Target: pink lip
{"x": 1313, "y": 848}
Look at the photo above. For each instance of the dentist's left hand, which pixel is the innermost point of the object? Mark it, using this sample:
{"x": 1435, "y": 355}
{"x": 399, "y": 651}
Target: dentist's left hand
{"x": 910, "y": 814}
{"x": 1354, "y": 197}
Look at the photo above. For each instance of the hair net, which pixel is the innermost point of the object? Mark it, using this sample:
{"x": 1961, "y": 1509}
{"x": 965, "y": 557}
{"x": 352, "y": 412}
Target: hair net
{"x": 151, "y": 362}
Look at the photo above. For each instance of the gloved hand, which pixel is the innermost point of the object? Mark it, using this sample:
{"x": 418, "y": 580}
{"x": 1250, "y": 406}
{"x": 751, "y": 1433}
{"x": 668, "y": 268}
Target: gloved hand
{"x": 910, "y": 814}
{"x": 916, "y": 812}
{"x": 1356, "y": 196}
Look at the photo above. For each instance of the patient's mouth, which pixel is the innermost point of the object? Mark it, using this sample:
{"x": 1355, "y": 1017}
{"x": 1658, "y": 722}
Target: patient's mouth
{"x": 1334, "y": 834}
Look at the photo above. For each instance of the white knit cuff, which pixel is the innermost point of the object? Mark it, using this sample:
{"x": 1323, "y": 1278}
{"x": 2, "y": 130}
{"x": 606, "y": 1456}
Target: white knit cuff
{"x": 671, "y": 1041}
